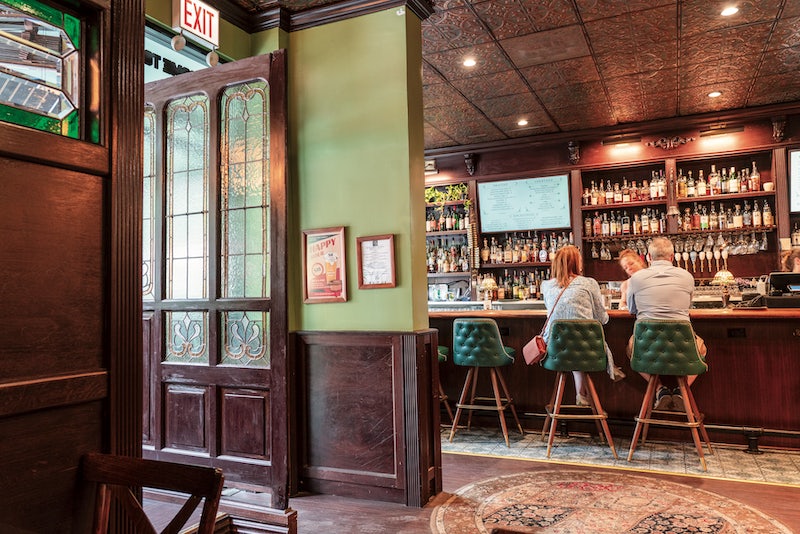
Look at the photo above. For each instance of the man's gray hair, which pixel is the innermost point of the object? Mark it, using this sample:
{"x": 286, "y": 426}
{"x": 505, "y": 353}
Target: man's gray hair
{"x": 660, "y": 248}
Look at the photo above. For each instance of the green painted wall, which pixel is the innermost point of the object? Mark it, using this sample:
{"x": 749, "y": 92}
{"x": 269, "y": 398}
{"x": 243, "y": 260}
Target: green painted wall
{"x": 355, "y": 116}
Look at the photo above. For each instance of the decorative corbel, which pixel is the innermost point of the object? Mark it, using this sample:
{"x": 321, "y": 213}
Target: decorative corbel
{"x": 574, "y": 152}
{"x": 669, "y": 143}
{"x": 470, "y": 160}
{"x": 778, "y": 128}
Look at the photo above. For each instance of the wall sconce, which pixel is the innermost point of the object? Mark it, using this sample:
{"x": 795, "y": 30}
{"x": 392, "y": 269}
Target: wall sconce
{"x": 430, "y": 167}
{"x": 618, "y": 140}
{"x": 720, "y": 130}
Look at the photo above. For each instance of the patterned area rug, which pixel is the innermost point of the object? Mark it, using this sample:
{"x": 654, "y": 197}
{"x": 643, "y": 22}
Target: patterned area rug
{"x": 589, "y": 502}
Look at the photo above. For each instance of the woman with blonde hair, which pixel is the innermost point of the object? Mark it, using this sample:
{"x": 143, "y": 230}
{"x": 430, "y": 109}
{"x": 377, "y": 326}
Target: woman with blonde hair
{"x": 581, "y": 299}
{"x": 630, "y": 261}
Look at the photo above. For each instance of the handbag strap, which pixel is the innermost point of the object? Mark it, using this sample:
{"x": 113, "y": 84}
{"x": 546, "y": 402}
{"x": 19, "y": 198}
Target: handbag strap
{"x": 554, "y": 307}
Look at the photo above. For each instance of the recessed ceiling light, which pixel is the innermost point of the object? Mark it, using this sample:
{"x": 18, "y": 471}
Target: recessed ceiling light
{"x": 470, "y": 62}
{"x": 728, "y": 11}
{"x": 522, "y": 122}
{"x": 714, "y": 94}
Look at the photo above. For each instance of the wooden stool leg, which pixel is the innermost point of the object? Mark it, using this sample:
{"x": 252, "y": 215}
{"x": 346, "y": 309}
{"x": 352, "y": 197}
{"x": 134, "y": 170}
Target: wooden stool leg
{"x": 650, "y": 408}
{"x": 499, "y": 403}
{"x": 461, "y": 401}
{"x": 698, "y": 416}
{"x": 472, "y": 395}
{"x": 597, "y": 408}
{"x": 547, "y": 419}
{"x": 593, "y": 407}
{"x": 690, "y": 416}
{"x": 443, "y": 399}
{"x": 556, "y": 411}
{"x": 647, "y": 404}
{"x": 509, "y": 400}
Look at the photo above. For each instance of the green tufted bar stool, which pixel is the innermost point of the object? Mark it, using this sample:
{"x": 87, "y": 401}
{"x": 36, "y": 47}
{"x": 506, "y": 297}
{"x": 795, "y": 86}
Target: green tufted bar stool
{"x": 663, "y": 347}
{"x": 443, "y": 352}
{"x": 477, "y": 344}
{"x": 576, "y": 345}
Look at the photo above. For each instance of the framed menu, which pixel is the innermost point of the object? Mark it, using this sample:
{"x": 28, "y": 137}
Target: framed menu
{"x": 324, "y": 274}
{"x": 376, "y": 261}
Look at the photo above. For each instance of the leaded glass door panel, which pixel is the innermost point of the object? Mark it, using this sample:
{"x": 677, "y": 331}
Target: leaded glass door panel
{"x": 213, "y": 272}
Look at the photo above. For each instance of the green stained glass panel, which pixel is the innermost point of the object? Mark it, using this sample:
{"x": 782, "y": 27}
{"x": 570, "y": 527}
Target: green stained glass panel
{"x": 245, "y": 339}
{"x": 42, "y": 84}
{"x": 186, "y": 337}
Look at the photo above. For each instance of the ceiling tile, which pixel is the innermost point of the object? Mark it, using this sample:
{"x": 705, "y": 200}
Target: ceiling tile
{"x": 439, "y": 94}
{"x": 565, "y": 72}
{"x": 524, "y": 104}
{"x": 510, "y": 127}
{"x": 614, "y": 65}
{"x": 505, "y": 18}
{"x": 659, "y": 81}
{"x": 449, "y": 63}
{"x": 546, "y": 46}
{"x": 787, "y": 33}
{"x": 695, "y": 99}
{"x": 460, "y": 27}
{"x": 775, "y": 89}
{"x": 436, "y": 139}
{"x": 780, "y": 61}
{"x": 612, "y": 35}
{"x": 577, "y": 95}
{"x": 660, "y": 105}
{"x": 702, "y": 16}
{"x": 549, "y": 14}
{"x": 600, "y": 9}
{"x": 496, "y": 84}
{"x": 430, "y": 75}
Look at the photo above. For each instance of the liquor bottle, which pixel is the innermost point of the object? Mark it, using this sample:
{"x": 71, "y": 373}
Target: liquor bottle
{"x": 637, "y": 225}
{"x": 796, "y": 236}
{"x": 655, "y": 223}
{"x": 597, "y": 228}
{"x": 605, "y": 226}
{"x": 744, "y": 180}
{"x": 654, "y": 186}
{"x": 645, "y": 222}
{"x": 586, "y": 199}
{"x": 626, "y": 223}
{"x": 635, "y": 193}
{"x": 593, "y": 194}
{"x": 691, "y": 190}
{"x": 756, "y": 215}
{"x": 686, "y": 223}
{"x": 713, "y": 180}
{"x": 442, "y": 221}
{"x": 626, "y": 191}
{"x": 723, "y": 182}
{"x": 661, "y": 186}
{"x": 723, "y": 218}
{"x": 737, "y": 217}
{"x": 700, "y": 186}
{"x": 681, "y": 188}
{"x": 508, "y": 251}
{"x": 704, "y": 221}
{"x": 644, "y": 191}
{"x": 617, "y": 194}
{"x": 609, "y": 193}
{"x": 713, "y": 221}
{"x": 733, "y": 181}
{"x": 747, "y": 215}
{"x": 543, "y": 252}
{"x": 429, "y": 222}
{"x": 695, "y": 218}
{"x": 766, "y": 215}
{"x": 755, "y": 179}
{"x": 485, "y": 250}
{"x": 587, "y": 226}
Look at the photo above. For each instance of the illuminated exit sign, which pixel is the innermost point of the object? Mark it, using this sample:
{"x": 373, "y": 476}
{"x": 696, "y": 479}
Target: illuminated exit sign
{"x": 196, "y": 18}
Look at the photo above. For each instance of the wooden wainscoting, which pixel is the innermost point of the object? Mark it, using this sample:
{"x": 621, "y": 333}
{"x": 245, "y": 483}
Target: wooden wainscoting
{"x": 366, "y": 415}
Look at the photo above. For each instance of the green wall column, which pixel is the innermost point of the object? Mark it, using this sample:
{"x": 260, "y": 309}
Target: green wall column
{"x": 356, "y": 160}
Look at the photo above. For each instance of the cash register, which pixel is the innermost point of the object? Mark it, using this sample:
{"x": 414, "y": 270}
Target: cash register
{"x": 783, "y": 290}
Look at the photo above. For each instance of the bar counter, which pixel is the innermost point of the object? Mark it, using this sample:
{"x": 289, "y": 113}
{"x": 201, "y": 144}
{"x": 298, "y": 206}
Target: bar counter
{"x": 749, "y": 395}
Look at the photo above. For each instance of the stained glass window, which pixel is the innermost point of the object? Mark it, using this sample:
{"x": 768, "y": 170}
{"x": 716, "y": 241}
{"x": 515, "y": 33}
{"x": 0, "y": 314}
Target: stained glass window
{"x": 40, "y": 68}
{"x": 186, "y": 337}
{"x": 187, "y": 162}
{"x": 148, "y": 204}
{"x": 245, "y": 339}
{"x": 244, "y": 209}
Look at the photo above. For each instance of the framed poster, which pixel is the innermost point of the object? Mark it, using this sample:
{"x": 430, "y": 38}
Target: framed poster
{"x": 375, "y": 261}
{"x": 324, "y": 270}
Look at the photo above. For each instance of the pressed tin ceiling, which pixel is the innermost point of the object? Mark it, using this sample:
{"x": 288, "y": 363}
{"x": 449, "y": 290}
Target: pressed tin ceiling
{"x": 569, "y": 65}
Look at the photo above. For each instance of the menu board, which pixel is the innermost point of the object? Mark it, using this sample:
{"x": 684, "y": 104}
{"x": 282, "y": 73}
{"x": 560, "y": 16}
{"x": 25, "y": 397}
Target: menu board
{"x": 794, "y": 181}
{"x": 524, "y": 204}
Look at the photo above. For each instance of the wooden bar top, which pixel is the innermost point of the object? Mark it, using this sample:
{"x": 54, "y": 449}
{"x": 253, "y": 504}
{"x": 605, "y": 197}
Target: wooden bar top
{"x": 727, "y": 313}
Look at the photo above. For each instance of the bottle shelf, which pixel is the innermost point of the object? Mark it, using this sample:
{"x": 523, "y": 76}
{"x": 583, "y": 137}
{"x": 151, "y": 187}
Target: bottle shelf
{"x": 680, "y": 233}
{"x": 725, "y": 197}
{"x": 445, "y": 233}
{"x": 456, "y": 274}
{"x": 515, "y": 265}
{"x": 626, "y": 205}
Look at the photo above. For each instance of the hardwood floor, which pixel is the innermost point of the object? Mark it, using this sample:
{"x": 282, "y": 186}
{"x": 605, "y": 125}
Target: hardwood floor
{"x": 328, "y": 514}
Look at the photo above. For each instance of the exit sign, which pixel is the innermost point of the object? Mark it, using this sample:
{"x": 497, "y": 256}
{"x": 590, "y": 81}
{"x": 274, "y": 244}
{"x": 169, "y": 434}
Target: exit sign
{"x": 196, "y": 18}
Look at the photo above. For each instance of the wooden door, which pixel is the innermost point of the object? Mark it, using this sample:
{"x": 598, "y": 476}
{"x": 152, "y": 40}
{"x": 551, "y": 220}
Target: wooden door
{"x": 214, "y": 272}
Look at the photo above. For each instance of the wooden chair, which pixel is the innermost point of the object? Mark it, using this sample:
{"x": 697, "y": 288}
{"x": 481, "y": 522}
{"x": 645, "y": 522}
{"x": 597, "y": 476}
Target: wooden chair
{"x": 117, "y": 476}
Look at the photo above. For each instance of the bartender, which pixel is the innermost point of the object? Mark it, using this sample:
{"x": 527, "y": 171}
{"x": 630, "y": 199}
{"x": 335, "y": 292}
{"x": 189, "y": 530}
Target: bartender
{"x": 791, "y": 262}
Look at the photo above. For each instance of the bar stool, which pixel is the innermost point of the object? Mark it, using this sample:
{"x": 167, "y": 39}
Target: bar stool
{"x": 663, "y": 347}
{"x": 476, "y": 344}
{"x": 576, "y": 345}
{"x": 443, "y": 352}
